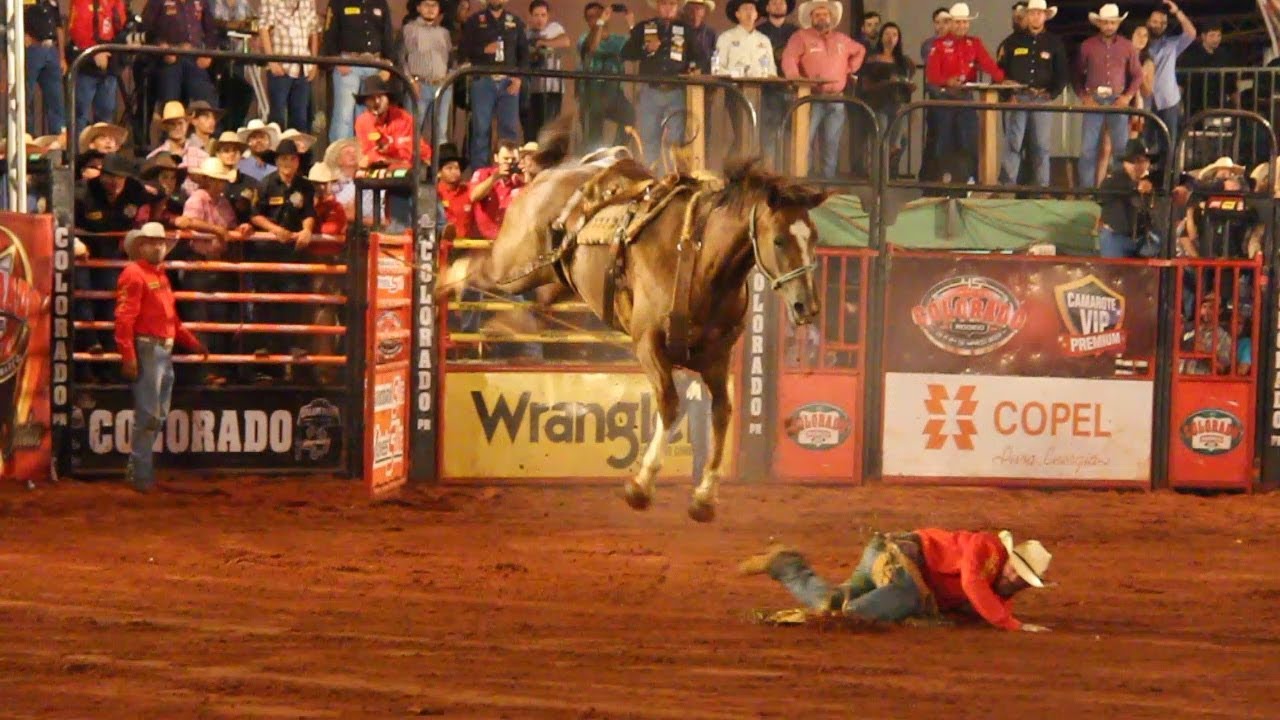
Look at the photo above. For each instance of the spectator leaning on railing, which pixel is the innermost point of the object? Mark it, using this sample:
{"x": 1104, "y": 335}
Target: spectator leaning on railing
{"x": 1108, "y": 74}
{"x": 1036, "y": 58}
{"x": 954, "y": 62}
{"x": 664, "y": 48}
{"x": 1127, "y": 203}
{"x": 742, "y": 52}
{"x": 494, "y": 36}
{"x": 600, "y": 51}
{"x": 96, "y": 22}
{"x": 817, "y": 51}
{"x": 354, "y": 29}
{"x": 885, "y": 84}
{"x": 290, "y": 27}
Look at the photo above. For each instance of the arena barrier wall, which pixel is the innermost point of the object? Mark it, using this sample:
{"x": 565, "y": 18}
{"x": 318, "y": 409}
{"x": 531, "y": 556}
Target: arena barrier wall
{"x": 26, "y": 279}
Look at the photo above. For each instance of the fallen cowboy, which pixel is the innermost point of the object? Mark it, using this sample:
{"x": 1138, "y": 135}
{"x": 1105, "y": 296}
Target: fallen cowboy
{"x": 924, "y": 576}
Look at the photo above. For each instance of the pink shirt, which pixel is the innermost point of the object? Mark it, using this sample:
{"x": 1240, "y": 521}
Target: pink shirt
{"x": 200, "y": 206}
{"x": 832, "y": 57}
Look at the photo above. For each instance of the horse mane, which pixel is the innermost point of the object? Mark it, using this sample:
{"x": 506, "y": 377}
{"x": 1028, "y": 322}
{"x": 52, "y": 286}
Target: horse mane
{"x": 746, "y": 180}
{"x": 554, "y": 140}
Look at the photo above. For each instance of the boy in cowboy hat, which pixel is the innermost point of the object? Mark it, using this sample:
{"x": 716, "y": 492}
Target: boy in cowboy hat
{"x": 920, "y": 574}
{"x": 103, "y": 137}
{"x": 242, "y": 190}
{"x": 146, "y": 328}
{"x": 331, "y": 229}
{"x": 1107, "y": 74}
{"x": 454, "y": 194}
{"x": 819, "y": 51}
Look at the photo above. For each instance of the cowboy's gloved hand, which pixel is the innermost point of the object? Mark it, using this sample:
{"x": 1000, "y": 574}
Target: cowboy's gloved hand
{"x": 1028, "y": 627}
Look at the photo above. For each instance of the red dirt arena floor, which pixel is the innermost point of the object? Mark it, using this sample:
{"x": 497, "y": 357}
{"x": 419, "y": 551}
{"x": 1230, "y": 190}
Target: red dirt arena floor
{"x": 235, "y": 599}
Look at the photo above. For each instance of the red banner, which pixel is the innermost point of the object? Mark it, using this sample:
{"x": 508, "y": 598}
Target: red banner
{"x": 26, "y": 284}
{"x": 386, "y": 428}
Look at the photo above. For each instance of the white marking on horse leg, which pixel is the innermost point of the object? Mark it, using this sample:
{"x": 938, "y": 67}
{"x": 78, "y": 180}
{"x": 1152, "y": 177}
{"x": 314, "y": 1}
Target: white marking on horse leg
{"x": 708, "y": 490}
{"x": 652, "y": 462}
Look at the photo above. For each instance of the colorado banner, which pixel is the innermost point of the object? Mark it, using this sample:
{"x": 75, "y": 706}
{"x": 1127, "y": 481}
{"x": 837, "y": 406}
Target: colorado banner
{"x": 567, "y": 425}
{"x": 1054, "y": 429}
{"x": 26, "y": 283}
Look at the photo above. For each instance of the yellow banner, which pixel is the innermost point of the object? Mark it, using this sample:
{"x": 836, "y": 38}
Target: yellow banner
{"x": 567, "y": 425}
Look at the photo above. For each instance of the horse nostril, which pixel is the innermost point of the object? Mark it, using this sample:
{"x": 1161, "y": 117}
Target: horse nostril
{"x": 800, "y": 309}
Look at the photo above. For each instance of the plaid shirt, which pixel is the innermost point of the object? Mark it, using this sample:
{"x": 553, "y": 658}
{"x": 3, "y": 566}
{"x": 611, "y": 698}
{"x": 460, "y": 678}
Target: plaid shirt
{"x": 292, "y": 24}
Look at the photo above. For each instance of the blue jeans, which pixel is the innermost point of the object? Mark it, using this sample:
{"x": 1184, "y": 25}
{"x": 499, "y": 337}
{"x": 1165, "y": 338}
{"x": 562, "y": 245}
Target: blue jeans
{"x": 96, "y": 96}
{"x": 1116, "y": 245}
{"x": 896, "y": 601}
{"x": 152, "y": 393}
{"x": 1017, "y": 123}
{"x": 343, "y": 122}
{"x": 955, "y": 134}
{"x": 1155, "y": 141}
{"x": 653, "y": 105}
{"x": 184, "y": 80}
{"x": 826, "y": 128}
{"x": 427, "y": 109}
{"x": 290, "y": 99}
{"x": 1117, "y": 126}
{"x": 489, "y": 97}
{"x": 44, "y": 68}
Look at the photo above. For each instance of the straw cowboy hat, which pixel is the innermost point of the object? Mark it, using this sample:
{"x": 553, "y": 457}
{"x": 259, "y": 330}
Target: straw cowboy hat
{"x": 708, "y": 4}
{"x": 173, "y": 110}
{"x": 303, "y": 140}
{"x": 227, "y": 138}
{"x": 334, "y": 151}
{"x": 1030, "y": 559}
{"x": 97, "y": 130}
{"x": 1042, "y": 5}
{"x": 529, "y": 147}
{"x": 160, "y": 163}
{"x": 151, "y": 230}
{"x": 256, "y": 125}
{"x": 1110, "y": 11}
{"x": 807, "y": 8}
{"x": 1222, "y": 163}
{"x": 213, "y": 168}
{"x": 961, "y": 11}
{"x": 42, "y": 144}
{"x": 322, "y": 173}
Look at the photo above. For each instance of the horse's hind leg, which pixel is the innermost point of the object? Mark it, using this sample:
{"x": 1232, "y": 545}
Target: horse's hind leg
{"x": 702, "y": 507}
{"x": 649, "y": 350}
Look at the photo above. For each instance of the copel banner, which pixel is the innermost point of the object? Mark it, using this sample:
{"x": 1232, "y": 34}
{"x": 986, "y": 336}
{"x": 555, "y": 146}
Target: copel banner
{"x": 982, "y": 426}
{"x": 567, "y": 425}
{"x": 26, "y": 284}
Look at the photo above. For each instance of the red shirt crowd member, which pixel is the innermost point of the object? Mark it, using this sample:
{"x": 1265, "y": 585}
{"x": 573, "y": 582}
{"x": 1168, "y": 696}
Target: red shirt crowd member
{"x": 454, "y": 194}
{"x": 957, "y": 57}
{"x": 492, "y": 189}
{"x": 147, "y": 325}
{"x": 914, "y": 574}
{"x": 385, "y": 131}
{"x": 331, "y": 218}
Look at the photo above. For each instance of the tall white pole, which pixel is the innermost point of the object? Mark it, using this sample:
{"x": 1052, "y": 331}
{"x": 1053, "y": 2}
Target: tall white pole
{"x": 15, "y": 36}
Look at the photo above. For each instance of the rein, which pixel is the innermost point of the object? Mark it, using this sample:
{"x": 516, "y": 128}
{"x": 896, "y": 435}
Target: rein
{"x": 784, "y": 278}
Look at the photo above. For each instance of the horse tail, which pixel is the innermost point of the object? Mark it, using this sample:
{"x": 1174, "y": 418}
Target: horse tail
{"x": 553, "y": 141}
{"x": 456, "y": 277}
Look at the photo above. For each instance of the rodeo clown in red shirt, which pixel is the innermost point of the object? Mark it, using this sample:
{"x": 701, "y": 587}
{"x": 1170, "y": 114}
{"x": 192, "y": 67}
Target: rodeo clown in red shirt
{"x": 920, "y": 574}
{"x": 147, "y": 324}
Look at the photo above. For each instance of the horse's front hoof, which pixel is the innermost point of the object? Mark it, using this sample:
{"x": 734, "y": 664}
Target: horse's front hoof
{"x": 636, "y": 495}
{"x": 701, "y": 510}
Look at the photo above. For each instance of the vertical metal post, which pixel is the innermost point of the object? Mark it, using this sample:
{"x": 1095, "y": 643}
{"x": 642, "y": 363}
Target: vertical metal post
{"x": 16, "y": 127}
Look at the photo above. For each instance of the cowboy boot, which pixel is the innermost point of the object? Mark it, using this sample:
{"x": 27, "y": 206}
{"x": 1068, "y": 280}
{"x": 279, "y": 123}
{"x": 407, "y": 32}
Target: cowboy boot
{"x": 768, "y": 561}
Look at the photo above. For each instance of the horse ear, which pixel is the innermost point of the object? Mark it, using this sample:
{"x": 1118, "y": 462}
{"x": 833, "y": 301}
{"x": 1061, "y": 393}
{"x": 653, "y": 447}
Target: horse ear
{"x": 813, "y": 197}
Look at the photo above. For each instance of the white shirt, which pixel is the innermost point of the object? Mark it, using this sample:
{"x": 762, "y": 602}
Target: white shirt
{"x": 744, "y": 53}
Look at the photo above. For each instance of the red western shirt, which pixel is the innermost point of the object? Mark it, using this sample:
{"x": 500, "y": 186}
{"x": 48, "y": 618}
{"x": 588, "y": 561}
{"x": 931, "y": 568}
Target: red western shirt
{"x": 389, "y": 137}
{"x": 331, "y": 219}
{"x": 489, "y": 210}
{"x": 962, "y": 568}
{"x": 90, "y": 25}
{"x": 960, "y": 57}
{"x": 457, "y": 206}
{"x": 145, "y": 306}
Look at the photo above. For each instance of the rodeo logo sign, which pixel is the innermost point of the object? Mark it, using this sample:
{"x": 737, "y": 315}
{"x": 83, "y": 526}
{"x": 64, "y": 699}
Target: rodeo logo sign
{"x": 1093, "y": 315}
{"x": 1211, "y": 432}
{"x": 818, "y": 426}
{"x": 969, "y": 315}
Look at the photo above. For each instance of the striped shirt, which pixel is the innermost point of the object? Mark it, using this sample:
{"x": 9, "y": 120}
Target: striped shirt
{"x": 424, "y": 50}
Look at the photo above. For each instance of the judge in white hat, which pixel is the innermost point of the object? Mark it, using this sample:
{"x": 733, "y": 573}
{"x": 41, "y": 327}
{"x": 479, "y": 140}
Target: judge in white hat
{"x": 925, "y": 573}
{"x": 1111, "y": 77}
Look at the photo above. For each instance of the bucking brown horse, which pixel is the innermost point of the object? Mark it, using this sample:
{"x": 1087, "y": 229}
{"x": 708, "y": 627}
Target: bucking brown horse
{"x": 665, "y": 260}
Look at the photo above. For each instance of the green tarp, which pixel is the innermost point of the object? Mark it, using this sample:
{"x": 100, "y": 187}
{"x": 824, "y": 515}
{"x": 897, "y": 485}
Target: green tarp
{"x": 981, "y": 225}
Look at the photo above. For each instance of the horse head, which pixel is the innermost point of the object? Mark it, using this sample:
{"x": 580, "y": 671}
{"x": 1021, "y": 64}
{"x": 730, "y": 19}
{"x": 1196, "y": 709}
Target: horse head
{"x": 783, "y": 236}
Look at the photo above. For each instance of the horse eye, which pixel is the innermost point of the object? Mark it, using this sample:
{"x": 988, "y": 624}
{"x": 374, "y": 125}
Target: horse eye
{"x": 780, "y": 240}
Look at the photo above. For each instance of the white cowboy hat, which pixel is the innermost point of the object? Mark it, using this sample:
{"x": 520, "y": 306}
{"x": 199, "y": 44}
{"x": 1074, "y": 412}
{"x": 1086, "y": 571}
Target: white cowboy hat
{"x": 152, "y": 230}
{"x": 529, "y": 147}
{"x": 1222, "y": 163}
{"x": 332, "y": 152}
{"x": 807, "y": 8}
{"x": 1042, "y": 5}
{"x": 1110, "y": 11}
{"x": 1262, "y": 172}
{"x": 709, "y": 4}
{"x": 256, "y": 125}
{"x": 961, "y": 11}
{"x": 212, "y": 167}
{"x": 1030, "y": 559}
{"x": 301, "y": 139}
{"x": 42, "y": 144}
{"x": 322, "y": 173}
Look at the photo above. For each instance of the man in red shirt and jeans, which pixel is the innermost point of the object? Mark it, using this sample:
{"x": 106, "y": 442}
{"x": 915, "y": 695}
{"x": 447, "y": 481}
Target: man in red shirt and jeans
{"x": 147, "y": 324}
{"x": 454, "y": 194}
{"x": 492, "y": 188}
{"x": 953, "y": 62}
{"x": 920, "y": 574}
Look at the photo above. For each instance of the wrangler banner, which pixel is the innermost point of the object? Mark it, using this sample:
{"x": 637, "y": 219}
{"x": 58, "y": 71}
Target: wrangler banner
{"x": 1008, "y": 315}
{"x": 26, "y": 284}
{"x": 567, "y": 425}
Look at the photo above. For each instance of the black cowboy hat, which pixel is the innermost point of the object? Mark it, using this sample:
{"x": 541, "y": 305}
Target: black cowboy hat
{"x": 287, "y": 147}
{"x": 731, "y": 8}
{"x": 450, "y": 153}
{"x": 372, "y": 85}
{"x": 158, "y": 164}
{"x": 1135, "y": 149}
{"x": 120, "y": 166}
